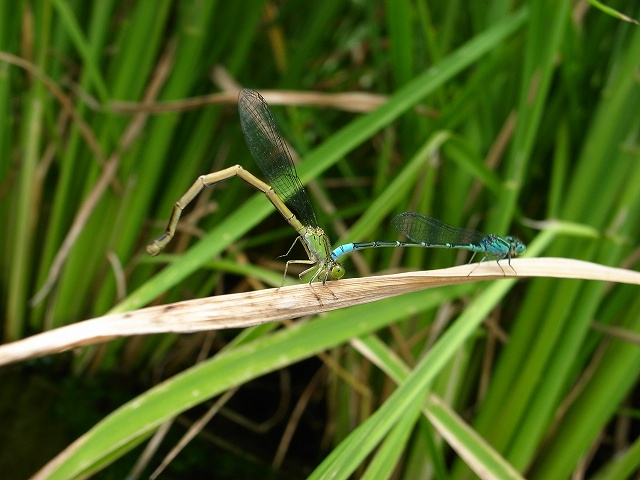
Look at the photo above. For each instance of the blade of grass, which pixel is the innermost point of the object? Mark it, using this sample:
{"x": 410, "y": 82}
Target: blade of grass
{"x": 26, "y": 212}
{"x": 225, "y": 371}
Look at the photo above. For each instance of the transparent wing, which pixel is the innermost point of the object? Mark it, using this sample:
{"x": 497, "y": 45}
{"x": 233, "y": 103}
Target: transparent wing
{"x": 422, "y": 229}
{"x": 272, "y": 156}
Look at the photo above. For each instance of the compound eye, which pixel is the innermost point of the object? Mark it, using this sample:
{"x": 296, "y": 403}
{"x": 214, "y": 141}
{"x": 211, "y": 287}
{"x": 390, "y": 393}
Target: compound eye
{"x": 518, "y": 246}
{"x": 337, "y": 271}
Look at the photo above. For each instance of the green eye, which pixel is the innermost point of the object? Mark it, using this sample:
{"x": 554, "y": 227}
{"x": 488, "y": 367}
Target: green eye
{"x": 337, "y": 271}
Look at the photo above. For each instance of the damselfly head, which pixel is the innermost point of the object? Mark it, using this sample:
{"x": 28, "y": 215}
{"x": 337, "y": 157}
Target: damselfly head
{"x": 337, "y": 271}
{"x": 516, "y": 246}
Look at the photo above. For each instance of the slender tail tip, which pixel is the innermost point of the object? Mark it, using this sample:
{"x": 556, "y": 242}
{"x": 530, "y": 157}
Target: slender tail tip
{"x": 153, "y": 249}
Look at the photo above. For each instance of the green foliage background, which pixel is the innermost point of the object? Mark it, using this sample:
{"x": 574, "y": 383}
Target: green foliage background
{"x": 503, "y": 116}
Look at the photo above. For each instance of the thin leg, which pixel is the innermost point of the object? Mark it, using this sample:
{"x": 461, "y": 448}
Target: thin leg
{"x": 310, "y": 257}
{"x": 312, "y": 262}
{"x": 320, "y": 270}
{"x": 203, "y": 181}
{"x": 303, "y": 262}
{"x": 483, "y": 259}
{"x": 503, "y": 272}
{"x": 298, "y": 239}
{"x": 474, "y": 268}
{"x": 302, "y": 274}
